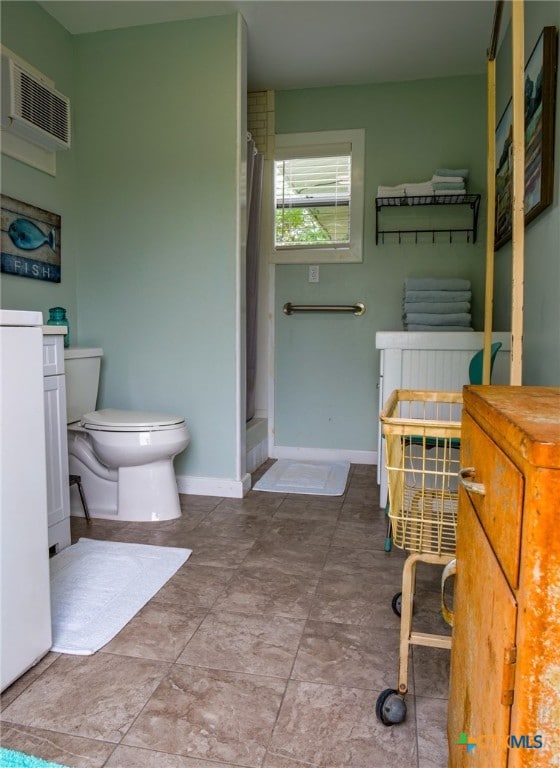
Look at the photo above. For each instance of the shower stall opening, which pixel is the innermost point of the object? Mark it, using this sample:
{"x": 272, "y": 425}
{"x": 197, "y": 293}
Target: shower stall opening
{"x": 256, "y": 427}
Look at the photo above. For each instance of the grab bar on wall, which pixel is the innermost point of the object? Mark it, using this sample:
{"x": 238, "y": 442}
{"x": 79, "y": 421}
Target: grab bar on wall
{"x": 356, "y": 309}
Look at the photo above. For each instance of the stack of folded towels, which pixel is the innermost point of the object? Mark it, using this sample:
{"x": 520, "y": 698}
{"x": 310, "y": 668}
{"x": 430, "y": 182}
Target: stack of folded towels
{"x": 437, "y": 304}
{"x": 445, "y": 181}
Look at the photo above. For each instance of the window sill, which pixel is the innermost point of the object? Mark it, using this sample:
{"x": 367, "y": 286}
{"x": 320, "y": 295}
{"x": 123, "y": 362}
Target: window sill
{"x": 317, "y": 256}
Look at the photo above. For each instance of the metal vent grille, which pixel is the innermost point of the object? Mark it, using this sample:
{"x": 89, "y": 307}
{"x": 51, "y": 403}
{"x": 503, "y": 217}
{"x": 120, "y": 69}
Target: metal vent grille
{"x": 40, "y": 106}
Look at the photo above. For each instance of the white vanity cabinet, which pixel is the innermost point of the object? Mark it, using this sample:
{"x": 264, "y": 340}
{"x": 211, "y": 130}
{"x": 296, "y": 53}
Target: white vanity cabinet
{"x": 432, "y": 360}
{"x": 54, "y": 388}
{"x": 25, "y": 628}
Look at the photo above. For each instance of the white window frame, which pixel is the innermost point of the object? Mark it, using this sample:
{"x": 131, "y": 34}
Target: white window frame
{"x": 304, "y": 145}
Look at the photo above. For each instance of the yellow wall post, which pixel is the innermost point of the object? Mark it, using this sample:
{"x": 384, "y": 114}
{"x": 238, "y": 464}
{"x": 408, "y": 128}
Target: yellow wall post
{"x": 518, "y": 191}
{"x": 490, "y": 219}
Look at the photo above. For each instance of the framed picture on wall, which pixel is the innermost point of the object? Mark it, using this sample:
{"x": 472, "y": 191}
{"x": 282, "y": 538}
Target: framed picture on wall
{"x": 540, "y": 89}
{"x": 30, "y": 240}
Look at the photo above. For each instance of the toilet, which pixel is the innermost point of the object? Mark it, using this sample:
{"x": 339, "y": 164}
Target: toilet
{"x": 124, "y": 458}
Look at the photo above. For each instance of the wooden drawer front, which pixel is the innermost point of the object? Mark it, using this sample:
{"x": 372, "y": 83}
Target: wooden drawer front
{"x": 53, "y": 355}
{"x": 500, "y": 509}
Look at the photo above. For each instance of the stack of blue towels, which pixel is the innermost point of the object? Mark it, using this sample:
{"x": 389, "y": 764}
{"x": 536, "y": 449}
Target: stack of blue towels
{"x": 437, "y": 304}
{"x": 448, "y": 181}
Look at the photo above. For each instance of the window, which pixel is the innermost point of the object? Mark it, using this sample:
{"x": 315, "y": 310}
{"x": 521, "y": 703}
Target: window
{"x": 312, "y": 201}
{"x": 317, "y": 197}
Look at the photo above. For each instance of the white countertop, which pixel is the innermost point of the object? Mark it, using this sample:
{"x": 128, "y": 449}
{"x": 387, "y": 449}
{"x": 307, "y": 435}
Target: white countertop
{"x": 437, "y": 339}
{"x": 20, "y": 317}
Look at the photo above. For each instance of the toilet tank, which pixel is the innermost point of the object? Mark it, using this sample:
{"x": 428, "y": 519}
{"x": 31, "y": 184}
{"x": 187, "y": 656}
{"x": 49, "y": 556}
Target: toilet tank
{"x": 81, "y": 368}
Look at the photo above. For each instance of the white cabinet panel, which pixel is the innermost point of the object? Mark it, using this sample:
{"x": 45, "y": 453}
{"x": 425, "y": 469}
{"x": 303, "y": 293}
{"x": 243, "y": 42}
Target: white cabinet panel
{"x": 58, "y": 495}
{"x": 55, "y": 406}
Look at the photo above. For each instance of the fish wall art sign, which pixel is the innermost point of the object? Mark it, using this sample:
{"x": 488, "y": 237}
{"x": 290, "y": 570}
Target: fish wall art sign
{"x": 30, "y": 241}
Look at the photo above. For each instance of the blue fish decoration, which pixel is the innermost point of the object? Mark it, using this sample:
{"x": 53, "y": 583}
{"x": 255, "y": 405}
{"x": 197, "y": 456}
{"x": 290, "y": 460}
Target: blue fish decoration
{"x": 26, "y": 235}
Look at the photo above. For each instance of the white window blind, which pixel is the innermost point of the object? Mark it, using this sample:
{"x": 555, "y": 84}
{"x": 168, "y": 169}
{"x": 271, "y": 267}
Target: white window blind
{"x": 314, "y": 191}
{"x": 313, "y": 200}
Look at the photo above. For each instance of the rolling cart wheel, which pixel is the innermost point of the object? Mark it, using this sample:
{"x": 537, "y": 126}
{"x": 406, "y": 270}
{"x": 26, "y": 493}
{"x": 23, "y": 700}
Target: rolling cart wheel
{"x": 396, "y": 603}
{"x": 390, "y": 707}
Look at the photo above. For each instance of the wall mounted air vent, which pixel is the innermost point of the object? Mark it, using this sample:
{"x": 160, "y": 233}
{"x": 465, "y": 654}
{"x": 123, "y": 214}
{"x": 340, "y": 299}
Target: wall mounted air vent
{"x": 32, "y": 109}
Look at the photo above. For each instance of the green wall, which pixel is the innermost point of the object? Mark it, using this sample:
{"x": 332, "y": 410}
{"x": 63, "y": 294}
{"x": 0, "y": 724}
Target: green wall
{"x": 34, "y": 35}
{"x": 326, "y": 366}
{"x": 541, "y": 305}
{"x": 149, "y": 197}
{"x": 158, "y": 172}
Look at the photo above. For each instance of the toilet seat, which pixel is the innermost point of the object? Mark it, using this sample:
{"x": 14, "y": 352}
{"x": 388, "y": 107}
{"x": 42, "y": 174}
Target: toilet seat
{"x": 114, "y": 420}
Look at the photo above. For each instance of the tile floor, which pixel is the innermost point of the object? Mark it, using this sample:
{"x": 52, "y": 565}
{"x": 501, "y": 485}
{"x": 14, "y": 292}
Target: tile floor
{"x": 268, "y": 648}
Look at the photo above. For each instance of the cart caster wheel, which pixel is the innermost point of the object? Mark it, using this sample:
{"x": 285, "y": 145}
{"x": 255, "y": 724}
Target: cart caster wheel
{"x": 390, "y": 707}
{"x": 396, "y": 603}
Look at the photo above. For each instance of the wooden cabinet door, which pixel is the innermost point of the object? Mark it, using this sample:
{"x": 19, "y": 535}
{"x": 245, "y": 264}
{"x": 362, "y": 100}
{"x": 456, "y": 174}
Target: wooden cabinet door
{"x": 482, "y": 658}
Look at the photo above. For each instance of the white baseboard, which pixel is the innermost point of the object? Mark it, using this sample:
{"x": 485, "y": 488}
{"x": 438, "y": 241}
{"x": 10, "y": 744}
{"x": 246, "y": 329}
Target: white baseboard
{"x": 323, "y": 454}
{"x": 214, "y": 486}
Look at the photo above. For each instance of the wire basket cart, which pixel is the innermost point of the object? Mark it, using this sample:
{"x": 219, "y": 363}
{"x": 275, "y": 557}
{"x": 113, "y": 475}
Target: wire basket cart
{"x": 422, "y": 430}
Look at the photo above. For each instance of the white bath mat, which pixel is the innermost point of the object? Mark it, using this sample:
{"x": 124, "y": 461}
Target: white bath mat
{"x": 98, "y": 586}
{"x": 310, "y": 477}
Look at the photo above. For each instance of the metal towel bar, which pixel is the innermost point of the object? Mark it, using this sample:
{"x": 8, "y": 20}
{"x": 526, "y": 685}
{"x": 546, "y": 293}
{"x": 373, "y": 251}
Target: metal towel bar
{"x": 356, "y": 309}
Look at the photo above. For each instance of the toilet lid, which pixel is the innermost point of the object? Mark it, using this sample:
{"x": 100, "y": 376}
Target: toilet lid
{"x": 112, "y": 419}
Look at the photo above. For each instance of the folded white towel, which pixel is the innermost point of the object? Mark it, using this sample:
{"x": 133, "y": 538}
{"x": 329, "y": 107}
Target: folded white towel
{"x": 418, "y": 189}
{"x": 448, "y": 179}
{"x": 396, "y": 191}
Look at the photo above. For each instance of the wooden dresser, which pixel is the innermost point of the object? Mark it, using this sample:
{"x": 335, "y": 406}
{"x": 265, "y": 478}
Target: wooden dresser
{"x": 505, "y": 660}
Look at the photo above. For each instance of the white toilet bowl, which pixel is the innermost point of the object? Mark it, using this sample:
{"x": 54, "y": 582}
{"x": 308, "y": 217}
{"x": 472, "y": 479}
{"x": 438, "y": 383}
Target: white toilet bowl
{"x": 125, "y": 460}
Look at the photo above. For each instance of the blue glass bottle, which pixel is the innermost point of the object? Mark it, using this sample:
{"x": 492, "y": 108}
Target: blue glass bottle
{"x": 57, "y": 316}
